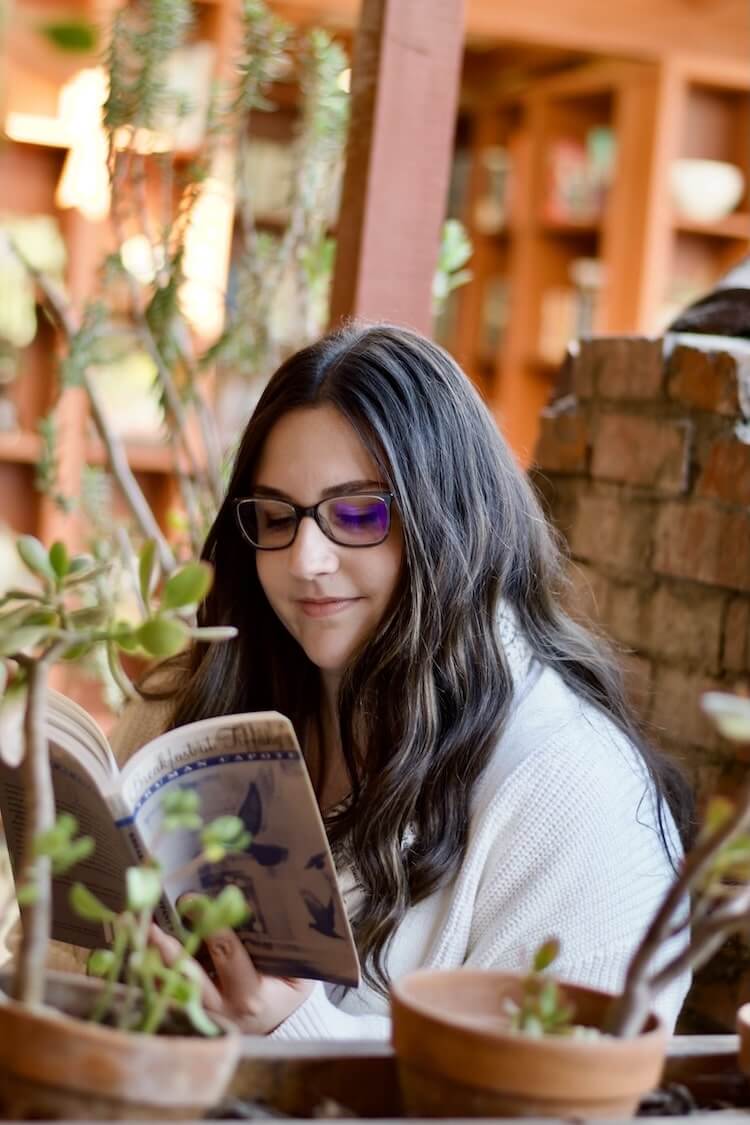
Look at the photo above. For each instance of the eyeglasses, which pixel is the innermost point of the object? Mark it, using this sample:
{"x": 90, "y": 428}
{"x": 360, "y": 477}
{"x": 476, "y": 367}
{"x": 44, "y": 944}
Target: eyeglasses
{"x": 359, "y": 520}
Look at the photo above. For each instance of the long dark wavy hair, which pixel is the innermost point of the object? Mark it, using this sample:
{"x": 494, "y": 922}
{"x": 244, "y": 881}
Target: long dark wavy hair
{"x": 423, "y": 704}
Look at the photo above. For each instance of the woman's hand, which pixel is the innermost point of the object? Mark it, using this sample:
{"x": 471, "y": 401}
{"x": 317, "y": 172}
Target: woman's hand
{"x": 257, "y": 1004}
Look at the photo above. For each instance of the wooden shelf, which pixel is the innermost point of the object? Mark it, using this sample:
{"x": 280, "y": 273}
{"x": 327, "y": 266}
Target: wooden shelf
{"x": 143, "y": 456}
{"x": 20, "y": 447}
{"x": 736, "y": 225}
{"x": 569, "y": 227}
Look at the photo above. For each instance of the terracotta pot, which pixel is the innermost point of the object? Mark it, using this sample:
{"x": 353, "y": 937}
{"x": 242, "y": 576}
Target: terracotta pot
{"x": 456, "y": 1057}
{"x": 54, "y": 1065}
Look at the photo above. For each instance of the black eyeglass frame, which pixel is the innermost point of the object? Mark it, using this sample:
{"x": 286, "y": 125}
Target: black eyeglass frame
{"x": 300, "y": 513}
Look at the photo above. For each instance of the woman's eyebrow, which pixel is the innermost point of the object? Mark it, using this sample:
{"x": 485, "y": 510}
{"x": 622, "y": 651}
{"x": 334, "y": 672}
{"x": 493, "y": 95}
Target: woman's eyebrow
{"x": 335, "y": 490}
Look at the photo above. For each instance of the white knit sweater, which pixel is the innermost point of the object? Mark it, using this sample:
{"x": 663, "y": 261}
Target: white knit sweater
{"x": 562, "y": 842}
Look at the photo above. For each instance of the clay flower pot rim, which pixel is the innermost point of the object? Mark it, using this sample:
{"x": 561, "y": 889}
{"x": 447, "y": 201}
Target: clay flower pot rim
{"x": 86, "y": 1029}
{"x": 436, "y": 1014}
{"x": 54, "y": 1047}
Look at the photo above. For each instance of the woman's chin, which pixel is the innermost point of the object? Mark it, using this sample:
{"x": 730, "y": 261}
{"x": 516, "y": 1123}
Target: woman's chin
{"x": 329, "y": 658}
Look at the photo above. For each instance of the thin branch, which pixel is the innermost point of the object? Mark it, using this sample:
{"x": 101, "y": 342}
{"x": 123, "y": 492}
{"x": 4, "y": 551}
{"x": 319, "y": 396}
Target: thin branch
{"x": 114, "y": 447}
{"x": 39, "y": 817}
{"x": 631, "y": 1009}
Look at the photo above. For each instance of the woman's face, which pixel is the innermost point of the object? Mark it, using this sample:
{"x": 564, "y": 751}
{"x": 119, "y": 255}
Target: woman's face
{"x": 331, "y": 598}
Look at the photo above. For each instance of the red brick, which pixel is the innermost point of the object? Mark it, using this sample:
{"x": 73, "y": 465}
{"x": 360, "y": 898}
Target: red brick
{"x": 626, "y": 612}
{"x": 647, "y": 452}
{"x": 684, "y": 623}
{"x": 622, "y": 368}
{"x": 736, "y": 649}
{"x": 726, "y": 474}
{"x": 676, "y": 707}
{"x": 589, "y": 593}
{"x": 704, "y": 543}
{"x": 582, "y": 372}
{"x": 612, "y": 531}
{"x": 563, "y": 443}
{"x": 706, "y": 380}
{"x": 638, "y": 673}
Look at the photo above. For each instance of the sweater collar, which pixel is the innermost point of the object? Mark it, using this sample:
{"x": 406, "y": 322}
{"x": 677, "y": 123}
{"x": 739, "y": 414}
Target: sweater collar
{"x": 516, "y": 647}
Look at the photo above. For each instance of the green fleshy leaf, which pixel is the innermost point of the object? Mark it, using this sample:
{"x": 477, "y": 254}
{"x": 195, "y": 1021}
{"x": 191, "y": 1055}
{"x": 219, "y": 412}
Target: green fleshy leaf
{"x": 76, "y": 852}
{"x": 59, "y": 558}
{"x": 88, "y": 906}
{"x": 202, "y": 1023}
{"x": 228, "y": 910}
{"x": 20, "y": 640}
{"x": 126, "y": 636}
{"x": 34, "y": 557}
{"x": 148, "y": 569}
{"x": 27, "y": 895}
{"x": 143, "y": 886}
{"x": 187, "y": 586}
{"x": 163, "y": 636}
{"x": 545, "y": 955}
{"x": 74, "y": 35}
{"x": 100, "y": 962}
{"x": 90, "y": 617}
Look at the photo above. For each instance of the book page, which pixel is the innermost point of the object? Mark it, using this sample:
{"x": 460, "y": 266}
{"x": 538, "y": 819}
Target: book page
{"x": 250, "y": 766}
{"x": 75, "y": 793}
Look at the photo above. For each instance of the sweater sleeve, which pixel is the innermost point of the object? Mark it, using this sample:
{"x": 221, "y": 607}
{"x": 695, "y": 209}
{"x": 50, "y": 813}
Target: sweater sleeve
{"x": 141, "y": 721}
{"x": 575, "y": 854}
{"x": 319, "y": 1018}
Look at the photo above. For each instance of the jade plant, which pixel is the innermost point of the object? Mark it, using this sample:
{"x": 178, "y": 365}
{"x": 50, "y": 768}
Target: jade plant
{"x": 543, "y": 1008}
{"x": 154, "y": 991}
{"x": 69, "y": 610}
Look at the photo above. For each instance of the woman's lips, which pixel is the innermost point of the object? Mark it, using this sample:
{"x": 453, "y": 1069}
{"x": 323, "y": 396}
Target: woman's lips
{"x": 325, "y": 607}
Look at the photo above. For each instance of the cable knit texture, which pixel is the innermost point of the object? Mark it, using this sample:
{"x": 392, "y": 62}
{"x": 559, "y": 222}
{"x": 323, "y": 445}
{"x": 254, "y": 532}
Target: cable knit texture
{"x": 563, "y": 841}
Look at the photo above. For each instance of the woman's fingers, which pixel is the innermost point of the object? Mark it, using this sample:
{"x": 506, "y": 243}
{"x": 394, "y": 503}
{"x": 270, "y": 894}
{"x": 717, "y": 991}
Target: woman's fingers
{"x": 170, "y": 950}
{"x": 238, "y": 979}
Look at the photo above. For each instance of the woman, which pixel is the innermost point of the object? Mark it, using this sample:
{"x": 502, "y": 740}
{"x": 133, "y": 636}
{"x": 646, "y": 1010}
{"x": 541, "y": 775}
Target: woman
{"x": 395, "y": 587}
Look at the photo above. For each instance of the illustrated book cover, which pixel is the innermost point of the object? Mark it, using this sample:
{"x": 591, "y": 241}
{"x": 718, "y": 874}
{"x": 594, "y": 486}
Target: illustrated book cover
{"x": 249, "y": 766}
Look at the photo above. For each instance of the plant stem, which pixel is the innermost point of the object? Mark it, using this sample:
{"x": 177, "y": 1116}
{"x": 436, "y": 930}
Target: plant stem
{"x": 630, "y": 1010}
{"x": 39, "y": 817}
{"x": 116, "y": 456}
{"x": 157, "y": 1013}
{"x": 104, "y": 1003}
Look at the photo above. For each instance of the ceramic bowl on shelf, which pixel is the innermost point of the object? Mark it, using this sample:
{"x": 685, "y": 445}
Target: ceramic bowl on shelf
{"x": 705, "y": 191}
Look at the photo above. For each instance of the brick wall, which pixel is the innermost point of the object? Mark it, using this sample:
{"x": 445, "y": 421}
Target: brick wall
{"x": 645, "y": 468}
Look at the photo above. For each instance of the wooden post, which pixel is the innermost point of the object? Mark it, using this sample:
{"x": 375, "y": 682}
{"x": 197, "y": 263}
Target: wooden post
{"x": 405, "y": 82}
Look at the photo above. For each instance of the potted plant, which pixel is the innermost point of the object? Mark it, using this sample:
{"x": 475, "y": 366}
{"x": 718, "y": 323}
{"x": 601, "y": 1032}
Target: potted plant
{"x": 483, "y": 1043}
{"x": 72, "y": 1046}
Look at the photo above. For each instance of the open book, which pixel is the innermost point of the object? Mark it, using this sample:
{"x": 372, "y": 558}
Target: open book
{"x": 247, "y": 765}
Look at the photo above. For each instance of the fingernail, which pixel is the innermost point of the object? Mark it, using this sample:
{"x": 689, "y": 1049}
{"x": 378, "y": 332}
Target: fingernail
{"x": 218, "y": 946}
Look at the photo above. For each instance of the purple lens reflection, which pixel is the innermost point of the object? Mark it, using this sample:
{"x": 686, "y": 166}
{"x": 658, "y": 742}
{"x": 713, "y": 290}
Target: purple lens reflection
{"x": 357, "y": 519}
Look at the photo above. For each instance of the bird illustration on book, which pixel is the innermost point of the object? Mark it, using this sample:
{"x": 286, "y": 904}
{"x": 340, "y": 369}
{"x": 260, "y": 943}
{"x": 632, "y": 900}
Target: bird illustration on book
{"x": 251, "y": 815}
{"x": 317, "y": 861}
{"x": 322, "y": 914}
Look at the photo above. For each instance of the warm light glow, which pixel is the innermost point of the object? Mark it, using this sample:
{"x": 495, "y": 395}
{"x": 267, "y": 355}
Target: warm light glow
{"x": 344, "y": 80}
{"x": 37, "y": 129}
{"x": 141, "y": 259}
{"x": 84, "y": 182}
{"x": 207, "y": 247}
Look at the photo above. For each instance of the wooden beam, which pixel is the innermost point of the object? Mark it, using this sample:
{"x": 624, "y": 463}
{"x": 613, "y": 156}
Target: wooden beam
{"x": 642, "y": 28}
{"x": 405, "y": 80}
{"x": 639, "y": 27}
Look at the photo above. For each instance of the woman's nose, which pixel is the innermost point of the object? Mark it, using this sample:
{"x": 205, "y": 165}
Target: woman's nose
{"x": 312, "y": 552}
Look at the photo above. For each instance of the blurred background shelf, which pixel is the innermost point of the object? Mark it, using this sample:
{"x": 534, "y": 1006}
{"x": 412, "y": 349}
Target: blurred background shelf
{"x": 576, "y": 168}
{"x": 736, "y": 225}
